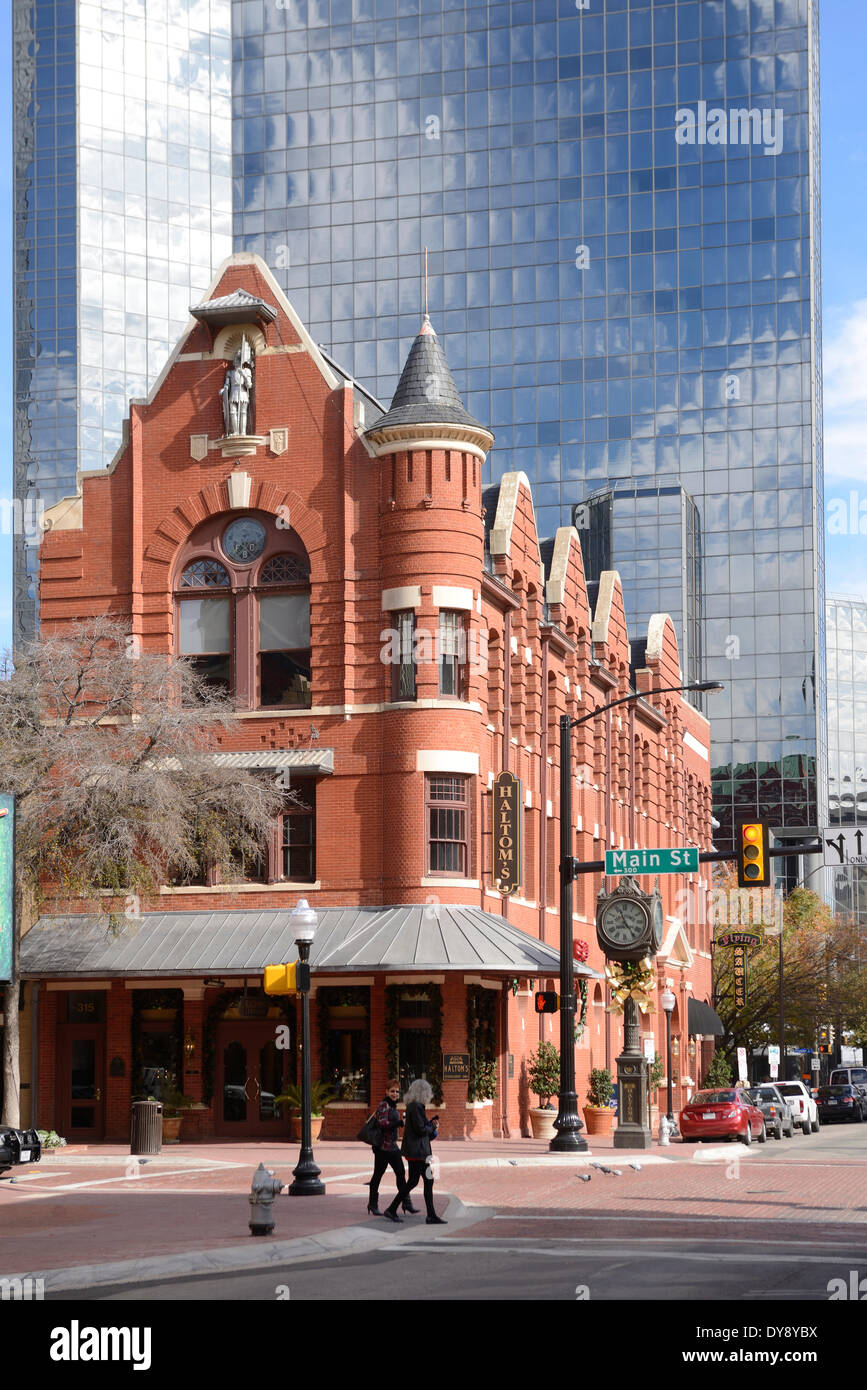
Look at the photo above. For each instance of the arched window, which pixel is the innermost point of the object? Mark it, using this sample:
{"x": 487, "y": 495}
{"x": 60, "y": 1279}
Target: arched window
{"x": 204, "y": 627}
{"x": 242, "y": 597}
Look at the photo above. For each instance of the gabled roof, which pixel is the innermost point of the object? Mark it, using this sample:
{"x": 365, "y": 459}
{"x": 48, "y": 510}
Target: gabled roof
{"x": 426, "y": 392}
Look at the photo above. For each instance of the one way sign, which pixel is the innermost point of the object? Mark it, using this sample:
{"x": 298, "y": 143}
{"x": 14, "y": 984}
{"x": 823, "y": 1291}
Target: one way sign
{"x": 844, "y": 846}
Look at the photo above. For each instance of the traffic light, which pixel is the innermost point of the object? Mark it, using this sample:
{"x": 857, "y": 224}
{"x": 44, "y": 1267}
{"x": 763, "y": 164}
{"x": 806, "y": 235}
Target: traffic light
{"x": 754, "y": 864}
{"x": 281, "y": 979}
{"x": 547, "y": 1002}
{"x": 824, "y": 1038}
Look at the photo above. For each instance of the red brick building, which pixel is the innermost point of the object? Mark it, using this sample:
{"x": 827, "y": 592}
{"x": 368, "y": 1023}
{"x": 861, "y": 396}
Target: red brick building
{"x": 395, "y": 636}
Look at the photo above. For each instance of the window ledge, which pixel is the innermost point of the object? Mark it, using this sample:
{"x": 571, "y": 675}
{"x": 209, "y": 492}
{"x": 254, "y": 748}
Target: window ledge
{"x": 479, "y": 1104}
{"x": 436, "y": 882}
{"x": 283, "y": 887}
{"x": 347, "y": 1105}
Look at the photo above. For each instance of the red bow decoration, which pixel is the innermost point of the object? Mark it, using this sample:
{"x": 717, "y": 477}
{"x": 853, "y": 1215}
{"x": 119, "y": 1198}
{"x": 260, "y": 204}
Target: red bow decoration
{"x": 580, "y": 950}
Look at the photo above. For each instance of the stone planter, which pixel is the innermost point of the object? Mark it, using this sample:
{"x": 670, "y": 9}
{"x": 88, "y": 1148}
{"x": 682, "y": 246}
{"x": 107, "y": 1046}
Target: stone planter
{"x": 542, "y": 1122}
{"x": 598, "y": 1120}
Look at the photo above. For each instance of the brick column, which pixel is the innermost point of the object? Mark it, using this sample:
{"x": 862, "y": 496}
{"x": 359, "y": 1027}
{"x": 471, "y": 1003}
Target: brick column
{"x": 118, "y": 1045}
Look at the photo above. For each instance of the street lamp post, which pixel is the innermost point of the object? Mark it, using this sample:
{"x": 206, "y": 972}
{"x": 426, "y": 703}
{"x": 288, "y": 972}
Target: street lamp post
{"x": 568, "y": 1124}
{"x": 668, "y": 1002}
{"x": 306, "y": 1174}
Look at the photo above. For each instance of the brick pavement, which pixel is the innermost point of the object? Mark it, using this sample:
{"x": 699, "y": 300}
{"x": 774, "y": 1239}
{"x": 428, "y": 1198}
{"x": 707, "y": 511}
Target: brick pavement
{"x": 193, "y": 1198}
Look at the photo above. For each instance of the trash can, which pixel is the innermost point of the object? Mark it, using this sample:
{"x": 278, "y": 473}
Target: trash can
{"x": 146, "y": 1130}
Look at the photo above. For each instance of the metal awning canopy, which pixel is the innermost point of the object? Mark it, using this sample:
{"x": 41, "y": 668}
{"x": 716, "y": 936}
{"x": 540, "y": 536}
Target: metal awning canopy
{"x": 702, "y": 1019}
{"x": 447, "y": 937}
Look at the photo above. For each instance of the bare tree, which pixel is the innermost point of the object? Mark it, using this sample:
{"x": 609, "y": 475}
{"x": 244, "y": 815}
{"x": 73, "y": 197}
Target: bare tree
{"x": 109, "y": 751}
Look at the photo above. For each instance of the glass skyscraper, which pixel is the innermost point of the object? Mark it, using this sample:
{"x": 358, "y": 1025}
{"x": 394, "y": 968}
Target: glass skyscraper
{"x": 621, "y": 204}
{"x": 122, "y": 128}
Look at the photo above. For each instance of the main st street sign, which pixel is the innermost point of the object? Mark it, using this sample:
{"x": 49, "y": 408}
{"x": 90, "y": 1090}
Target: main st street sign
{"x": 651, "y": 861}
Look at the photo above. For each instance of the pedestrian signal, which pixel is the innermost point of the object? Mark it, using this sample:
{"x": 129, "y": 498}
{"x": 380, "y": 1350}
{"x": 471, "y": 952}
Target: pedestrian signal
{"x": 281, "y": 979}
{"x": 754, "y": 866}
{"x": 547, "y": 1002}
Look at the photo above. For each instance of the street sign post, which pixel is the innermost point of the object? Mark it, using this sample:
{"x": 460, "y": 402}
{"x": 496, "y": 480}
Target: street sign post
{"x": 683, "y": 860}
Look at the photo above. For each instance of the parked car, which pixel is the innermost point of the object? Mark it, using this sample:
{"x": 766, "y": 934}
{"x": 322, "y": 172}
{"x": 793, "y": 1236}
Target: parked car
{"x": 842, "y": 1103}
{"x": 722, "y": 1114}
{"x": 18, "y": 1146}
{"x": 804, "y": 1107}
{"x": 779, "y": 1117}
{"x": 848, "y": 1076}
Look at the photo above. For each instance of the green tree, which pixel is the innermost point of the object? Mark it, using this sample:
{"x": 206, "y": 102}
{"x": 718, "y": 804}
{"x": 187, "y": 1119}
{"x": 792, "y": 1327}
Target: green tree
{"x": 719, "y": 1073}
{"x": 824, "y": 979}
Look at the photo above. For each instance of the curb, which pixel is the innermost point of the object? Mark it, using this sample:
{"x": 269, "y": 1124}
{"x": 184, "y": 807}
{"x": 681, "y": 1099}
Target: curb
{"x": 257, "y": 1254}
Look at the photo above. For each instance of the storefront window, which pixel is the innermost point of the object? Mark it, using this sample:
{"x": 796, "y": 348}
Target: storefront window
{"x": 157, "y": 1030}
{"x": 344, "y": 1016}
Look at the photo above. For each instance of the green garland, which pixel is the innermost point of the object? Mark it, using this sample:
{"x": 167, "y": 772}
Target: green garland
{"x": 481, "y": 1043}
{"x": 392, "y": 1014}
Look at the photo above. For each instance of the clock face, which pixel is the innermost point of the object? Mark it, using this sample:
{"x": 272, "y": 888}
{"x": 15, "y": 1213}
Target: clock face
{"x": 624, "y": 923}
{"x": 244, "y": 540}
{"x": 658, "y": 922}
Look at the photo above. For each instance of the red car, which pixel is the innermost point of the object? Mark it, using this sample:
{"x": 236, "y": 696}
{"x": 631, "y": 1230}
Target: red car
{"x": 722, "y": 1114}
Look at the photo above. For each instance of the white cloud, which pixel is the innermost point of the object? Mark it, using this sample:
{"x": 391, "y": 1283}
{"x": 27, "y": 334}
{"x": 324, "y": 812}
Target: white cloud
{"x": 844, "y": 392}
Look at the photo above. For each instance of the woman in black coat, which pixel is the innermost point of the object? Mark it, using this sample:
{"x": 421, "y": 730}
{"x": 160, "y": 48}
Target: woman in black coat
{"x": 417, "y": 1135}
{"x": 387, "y": 1154}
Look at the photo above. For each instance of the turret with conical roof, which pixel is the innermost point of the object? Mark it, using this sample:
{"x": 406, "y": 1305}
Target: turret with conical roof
{"x": 431, "y": 452}
{"x": 427, "y": 411}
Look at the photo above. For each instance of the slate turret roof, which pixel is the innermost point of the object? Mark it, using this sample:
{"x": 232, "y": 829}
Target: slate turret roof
{"x": 426, "y": 392}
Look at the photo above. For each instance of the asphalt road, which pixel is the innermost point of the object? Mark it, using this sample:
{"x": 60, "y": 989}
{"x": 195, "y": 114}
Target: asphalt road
{"x": 658, "y": 1250}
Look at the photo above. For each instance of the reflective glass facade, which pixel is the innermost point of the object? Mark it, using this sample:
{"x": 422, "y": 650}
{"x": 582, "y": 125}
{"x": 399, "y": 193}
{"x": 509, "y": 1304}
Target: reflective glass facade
{"x": 847, "y": 737}
{"x": 621, "y": 205}
{"x": 123, "y": 210}
{"x": 652, "y": 537}
{"x": 624, "y": 291}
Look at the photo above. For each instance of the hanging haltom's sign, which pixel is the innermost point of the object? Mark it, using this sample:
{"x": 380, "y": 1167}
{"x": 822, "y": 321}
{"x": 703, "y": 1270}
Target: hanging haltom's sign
{"x": 7, "y": 883}
{"x": 507, "y": 831}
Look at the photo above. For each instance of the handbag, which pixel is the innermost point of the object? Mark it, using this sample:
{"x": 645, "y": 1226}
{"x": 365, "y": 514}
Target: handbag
{"x": 370, "y": 1132}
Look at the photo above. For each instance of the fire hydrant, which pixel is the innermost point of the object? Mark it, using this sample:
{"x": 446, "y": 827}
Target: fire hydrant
{"x": 666, "y": 1128}
{"x": 262, "y": 1193}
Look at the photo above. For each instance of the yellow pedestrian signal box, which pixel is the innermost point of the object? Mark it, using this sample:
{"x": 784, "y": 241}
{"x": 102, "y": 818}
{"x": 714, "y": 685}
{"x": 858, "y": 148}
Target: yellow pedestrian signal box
{"x": 753, "y": 858}
{"x": 547, "y": 1002}
{"x": 281, "y": 979}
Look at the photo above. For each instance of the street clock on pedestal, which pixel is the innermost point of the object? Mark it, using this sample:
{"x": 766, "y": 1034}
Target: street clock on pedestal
{"x": 629, "y": 922}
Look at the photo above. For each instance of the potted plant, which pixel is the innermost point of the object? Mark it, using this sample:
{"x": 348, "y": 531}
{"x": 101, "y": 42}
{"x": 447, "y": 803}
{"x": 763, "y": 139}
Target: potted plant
{"x": 598, "y": 1115}
{"x": 320, "y": 1096}
{"x": 175, "y": 1103}
{"x": 543, "y": 1078}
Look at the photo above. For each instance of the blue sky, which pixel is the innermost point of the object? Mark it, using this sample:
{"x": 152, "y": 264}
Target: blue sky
{"x": 844, "y": 261}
